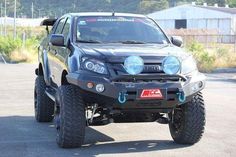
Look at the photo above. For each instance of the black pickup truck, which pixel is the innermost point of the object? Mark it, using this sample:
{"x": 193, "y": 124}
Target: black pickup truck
{"x": 98, "y": 68}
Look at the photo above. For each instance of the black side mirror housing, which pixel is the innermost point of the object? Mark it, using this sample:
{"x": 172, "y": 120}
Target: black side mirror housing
{"x": 177, "y": 41}
{"x": 57, "y": 40}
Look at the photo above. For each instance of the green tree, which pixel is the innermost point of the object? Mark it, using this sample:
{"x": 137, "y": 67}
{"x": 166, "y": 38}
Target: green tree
{"x": 232, "y": 3}
{"x": 148, "y": 6}
{"x": 219, "y": 2}
{"x": 10, "y": 6}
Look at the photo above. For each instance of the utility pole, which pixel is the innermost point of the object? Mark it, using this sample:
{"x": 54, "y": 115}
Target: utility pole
{"x": 40, "y": 12}
{"x": 5, "y": 19}
{"x": 14, "y": 34}
{"x": 32, "y": 9}
{"x": 61, "y": 12}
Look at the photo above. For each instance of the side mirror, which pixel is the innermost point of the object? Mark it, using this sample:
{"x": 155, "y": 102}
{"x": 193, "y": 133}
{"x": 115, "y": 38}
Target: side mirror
{"x": 177, "y": 41}
{"x": 57, "y": 40}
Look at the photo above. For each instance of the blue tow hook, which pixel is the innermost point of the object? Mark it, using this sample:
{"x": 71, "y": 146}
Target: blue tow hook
{"x": 181, "y": 97}
{"x": 122, "y": 97}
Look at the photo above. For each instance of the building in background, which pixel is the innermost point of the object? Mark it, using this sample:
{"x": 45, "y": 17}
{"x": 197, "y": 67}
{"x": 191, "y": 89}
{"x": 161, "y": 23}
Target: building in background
{"x": 213, "y": 18}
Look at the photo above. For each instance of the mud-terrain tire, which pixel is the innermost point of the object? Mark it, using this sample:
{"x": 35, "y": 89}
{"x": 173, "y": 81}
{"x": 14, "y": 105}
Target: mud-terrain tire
{"x": 70, "y": 117}
{"x": 188, "y": 121}
{"x": 43, "y": 105}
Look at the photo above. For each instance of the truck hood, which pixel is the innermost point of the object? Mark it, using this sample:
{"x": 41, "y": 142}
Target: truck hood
{"x": 121, "y": 51}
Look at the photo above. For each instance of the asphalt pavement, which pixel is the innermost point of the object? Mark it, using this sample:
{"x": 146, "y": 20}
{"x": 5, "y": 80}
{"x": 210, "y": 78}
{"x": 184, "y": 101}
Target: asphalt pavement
{"x": 22, "y": 136}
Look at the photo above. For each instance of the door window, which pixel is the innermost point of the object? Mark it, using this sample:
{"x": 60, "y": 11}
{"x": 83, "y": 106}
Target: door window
{"x": 66, "y": 29}
{"x": 60, "y": 26}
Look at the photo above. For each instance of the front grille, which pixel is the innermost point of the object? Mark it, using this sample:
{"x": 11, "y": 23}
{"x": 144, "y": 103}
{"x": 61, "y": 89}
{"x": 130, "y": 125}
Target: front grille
{"x": 152, "y": 72}
{"x": 152, "y": 68}
{"x": 148, "y": 68}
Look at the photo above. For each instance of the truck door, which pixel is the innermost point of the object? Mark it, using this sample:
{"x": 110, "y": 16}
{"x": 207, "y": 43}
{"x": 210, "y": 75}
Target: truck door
{"x": 59, "y": 54}
{"x": 53, "y": 53}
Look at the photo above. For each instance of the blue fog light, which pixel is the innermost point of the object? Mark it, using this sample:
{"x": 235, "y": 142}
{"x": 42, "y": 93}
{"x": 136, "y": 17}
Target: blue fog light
{"x": 171, "y": 65}
{"x": 134, "y": 65}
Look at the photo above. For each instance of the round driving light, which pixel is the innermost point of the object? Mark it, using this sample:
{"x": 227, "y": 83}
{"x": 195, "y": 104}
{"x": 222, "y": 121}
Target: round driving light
{"x": 134, "y": 65}
{"x": 171, "y": 65}
{"x": 100, "y": 88}
{"x": 90, "y": 85}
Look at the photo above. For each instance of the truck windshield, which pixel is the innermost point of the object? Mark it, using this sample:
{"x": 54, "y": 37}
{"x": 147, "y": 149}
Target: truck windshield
{"x": 119, "y": 29}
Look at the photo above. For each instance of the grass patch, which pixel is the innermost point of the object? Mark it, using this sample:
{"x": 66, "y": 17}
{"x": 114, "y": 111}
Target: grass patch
{"x": 19, "y": 51}
{"x": 23, "y": 55}
{"x": 208, "y": 59}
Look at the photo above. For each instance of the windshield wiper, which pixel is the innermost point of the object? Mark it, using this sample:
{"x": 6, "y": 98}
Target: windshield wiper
{"x": 132, "y": 42}
{"x": 89, "y": 41}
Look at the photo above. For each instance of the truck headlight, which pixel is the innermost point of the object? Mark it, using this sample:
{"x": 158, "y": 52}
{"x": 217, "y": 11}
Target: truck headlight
{"x": 171, "y": 65}
{"x": 188, "y": 65}
{"x": 95, "y": 66}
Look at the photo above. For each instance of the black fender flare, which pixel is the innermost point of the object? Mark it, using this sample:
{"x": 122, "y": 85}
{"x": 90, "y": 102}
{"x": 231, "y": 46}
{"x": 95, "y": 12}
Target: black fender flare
{"x": 46, "y": 70}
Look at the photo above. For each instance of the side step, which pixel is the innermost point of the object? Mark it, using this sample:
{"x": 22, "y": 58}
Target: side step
{"x": 51, "y": 93}
{"x": 163, "y": 120}
{"x": 97, "y": 121}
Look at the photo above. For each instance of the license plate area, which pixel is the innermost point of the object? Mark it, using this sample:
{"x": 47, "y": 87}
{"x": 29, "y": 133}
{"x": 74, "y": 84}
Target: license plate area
{"x": 155, "y": 93}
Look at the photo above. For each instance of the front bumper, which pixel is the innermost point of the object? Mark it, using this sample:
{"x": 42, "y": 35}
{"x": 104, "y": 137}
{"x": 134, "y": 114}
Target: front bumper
{"x": 114, "y": 86}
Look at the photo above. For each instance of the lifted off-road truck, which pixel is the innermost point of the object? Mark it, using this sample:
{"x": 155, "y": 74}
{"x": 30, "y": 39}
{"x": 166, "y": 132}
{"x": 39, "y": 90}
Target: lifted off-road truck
{"x": 98, "y": 68}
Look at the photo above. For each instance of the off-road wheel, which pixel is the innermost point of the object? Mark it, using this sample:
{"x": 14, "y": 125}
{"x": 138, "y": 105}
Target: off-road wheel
{"x": 187, "y": 121}
{"x": 70, "y": 117}
{"x": 43, "y": 105}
